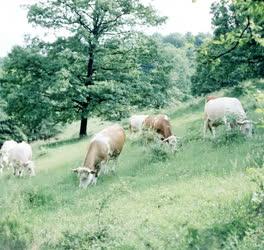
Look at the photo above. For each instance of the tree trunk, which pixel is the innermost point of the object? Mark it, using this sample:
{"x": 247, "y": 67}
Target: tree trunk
{"x": 89, "y": 81}
{"x": 83, "y": 128}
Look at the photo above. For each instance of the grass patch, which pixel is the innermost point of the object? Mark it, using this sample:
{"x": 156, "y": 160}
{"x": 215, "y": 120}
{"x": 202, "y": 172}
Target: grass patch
{"x": 14, "y": 235}
{"x": 194, "y": 198}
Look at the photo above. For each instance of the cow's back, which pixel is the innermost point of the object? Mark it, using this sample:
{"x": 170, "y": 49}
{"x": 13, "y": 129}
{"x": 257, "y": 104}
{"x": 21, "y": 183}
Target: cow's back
{"x": 114, "y": 136}
{"x": 136, "y": 121}
{"x": 8, "y": 145}
{"x": 217, "y": 108}
{"x": 22, "y": 153}
{"x": 159, "y": 123}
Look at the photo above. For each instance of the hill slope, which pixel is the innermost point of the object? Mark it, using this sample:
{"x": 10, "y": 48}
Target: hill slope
{"x": 155, "y": 200}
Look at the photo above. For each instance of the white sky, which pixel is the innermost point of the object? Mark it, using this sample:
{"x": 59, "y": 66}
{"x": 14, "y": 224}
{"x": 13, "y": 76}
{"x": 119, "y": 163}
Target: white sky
{"x": 183, "y": 16}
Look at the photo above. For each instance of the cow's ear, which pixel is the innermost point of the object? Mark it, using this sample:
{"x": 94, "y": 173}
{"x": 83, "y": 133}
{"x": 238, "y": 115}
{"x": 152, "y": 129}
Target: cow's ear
{"x": 75, "y": 170}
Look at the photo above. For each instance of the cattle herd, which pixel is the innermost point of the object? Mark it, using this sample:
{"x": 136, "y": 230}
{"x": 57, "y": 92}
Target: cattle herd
{"x": 108, "y": 143}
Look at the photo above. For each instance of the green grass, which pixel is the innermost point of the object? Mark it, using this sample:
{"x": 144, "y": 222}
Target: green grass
{"x": 184, "y": 201}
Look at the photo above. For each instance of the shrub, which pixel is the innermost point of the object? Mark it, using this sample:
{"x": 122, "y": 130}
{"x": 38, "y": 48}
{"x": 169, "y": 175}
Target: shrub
{"x": 37, "y": 198}
{"x": 193, "y": 134}
{"x": 13, "y": 235}
{"x": 147, "y": 136}
{"x": 257, "y": 176}
{"x": 9, "y": 130}
{"x": 225, "y": 138}
{"x": 256, "y": 158}
{"x": 159, "y": 152}
{"x": 219, "y": 236}
{"x": 83, "y": 240}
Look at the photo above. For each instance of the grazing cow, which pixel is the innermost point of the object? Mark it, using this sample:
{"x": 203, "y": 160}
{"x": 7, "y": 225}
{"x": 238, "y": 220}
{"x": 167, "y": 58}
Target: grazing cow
{"x": 105, "y": 145}
{"x": 4, "y": 154}
{"x": 136, "y": 122}
{"x": 228, "y": 111}
{"x": 161, "y": 125}
{"x": 20, "y": 157}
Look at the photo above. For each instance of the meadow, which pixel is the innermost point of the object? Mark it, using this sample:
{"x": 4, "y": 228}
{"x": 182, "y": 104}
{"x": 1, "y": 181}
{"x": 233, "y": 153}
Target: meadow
{"x": 198, "y": 197}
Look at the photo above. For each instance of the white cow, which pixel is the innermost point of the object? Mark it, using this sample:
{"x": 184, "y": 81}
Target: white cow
{"x": 228, "y": 111}
{"x": 136, "y": 122}
{"x": 21, "y": 158}
{"x": 4, "y": 154}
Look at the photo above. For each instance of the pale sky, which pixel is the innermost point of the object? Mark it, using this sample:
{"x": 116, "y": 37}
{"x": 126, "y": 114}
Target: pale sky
{"x": 183, "y": 16}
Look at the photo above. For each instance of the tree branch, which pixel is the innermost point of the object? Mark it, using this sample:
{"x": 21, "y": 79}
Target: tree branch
{"x": 236, "y": 44}
{"x": 80, "y": 17}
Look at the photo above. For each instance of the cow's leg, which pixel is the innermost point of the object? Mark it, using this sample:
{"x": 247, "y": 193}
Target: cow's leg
{"x": 227, "y": 124}
{"x": 130, "y": 128}
{"x": 114, "y": 164}
{"x": 211, "y": 128}
{"x": 102, "y": 168}
{"x": 31, "y": 168}
{"x": 208, "y": 125}
{"x": 14, "y": 165}
{"x": 94, "y": 180}
{"x": 20, "y": 170}
{"x": 213, "y": 131}
{"x": 1, "y": 165}
{"x": 205, "y": 127}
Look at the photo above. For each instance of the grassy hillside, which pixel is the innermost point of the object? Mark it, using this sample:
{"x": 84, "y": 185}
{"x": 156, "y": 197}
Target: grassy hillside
{"x": 196, "y": 198}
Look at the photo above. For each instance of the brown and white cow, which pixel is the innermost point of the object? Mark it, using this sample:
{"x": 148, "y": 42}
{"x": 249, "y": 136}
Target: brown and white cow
{"x": 105, "y": 145}
{"x": 228, "y": 111}
{"x": 161, "y": 125}
{"x": 136, "y": 122}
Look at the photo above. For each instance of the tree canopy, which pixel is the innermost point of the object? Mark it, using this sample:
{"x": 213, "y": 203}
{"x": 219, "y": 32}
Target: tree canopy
{"x": 236, "y": 51}
{"x": 101, "y": 26}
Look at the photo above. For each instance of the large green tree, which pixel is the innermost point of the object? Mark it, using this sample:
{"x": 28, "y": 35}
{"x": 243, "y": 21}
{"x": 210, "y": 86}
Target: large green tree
{"x": 94, "y": 22}
{"x": 42, "y": 83}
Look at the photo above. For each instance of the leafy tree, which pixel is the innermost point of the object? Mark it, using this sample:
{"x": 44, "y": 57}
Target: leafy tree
{"x": 176, "y": 39}
{"x": 25, "y": 84}
{"x": 236, "y": 52}
{"x": 183, "y": 54}
{"x": 134, "y": 74}
{"x": 94, "y": 22}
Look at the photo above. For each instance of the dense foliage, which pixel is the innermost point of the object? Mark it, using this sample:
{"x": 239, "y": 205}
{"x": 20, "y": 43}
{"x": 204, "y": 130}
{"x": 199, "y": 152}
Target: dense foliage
{"x": 236, "y": 51}
{"x": 52, "y": 75}
{"x": 100, "y": 27}
{"x": 129, "y": 71}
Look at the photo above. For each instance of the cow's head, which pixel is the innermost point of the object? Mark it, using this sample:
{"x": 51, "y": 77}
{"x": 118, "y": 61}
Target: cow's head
{"x": 172, "y": 141}
{"x": 246, "y": 127}
{"x": 31, "y": 168}
{"x": 86, "y": 176}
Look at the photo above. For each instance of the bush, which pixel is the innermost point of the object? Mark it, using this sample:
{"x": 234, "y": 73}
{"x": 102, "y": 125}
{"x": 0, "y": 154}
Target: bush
{"x": 257, "y": 176}
{"x": 193, "y": 134}
{"x": 13, "y": 235}
{"x": 228, "y": 137}
{"x": 159, "y": 151}
{"x": 147, "y": 136}
{"x": 83, "y": 240}
{"x": 256, "y": 158}
{"x": 37, "y": 199}
{"x": 244, "y": 229}
{"x": 9, "y": 130}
